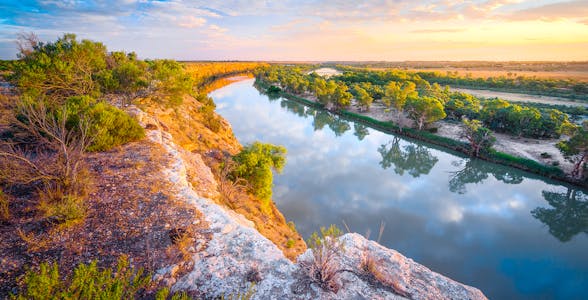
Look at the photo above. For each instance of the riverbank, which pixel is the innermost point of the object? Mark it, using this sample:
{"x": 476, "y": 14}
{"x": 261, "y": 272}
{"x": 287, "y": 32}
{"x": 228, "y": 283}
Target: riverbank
{"x": 507, "y": 152}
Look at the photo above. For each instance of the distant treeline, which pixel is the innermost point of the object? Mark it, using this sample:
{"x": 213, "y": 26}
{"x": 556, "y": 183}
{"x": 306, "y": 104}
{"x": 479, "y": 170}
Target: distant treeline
{"x": 410, "y": 94}
{"x": 546, "y": 66}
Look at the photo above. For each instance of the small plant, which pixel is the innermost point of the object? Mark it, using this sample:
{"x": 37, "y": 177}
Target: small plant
{"x": 290, "y": 243}
{"x": 4, "y": 207}
{"x": 241, "y": 296}
{"x": 182, "y": 240}
{"x": 369, "y": 271}
{"x": 322, "y": 269}
{"x": 164, "y": 294}
{"x": 87, "y": 282}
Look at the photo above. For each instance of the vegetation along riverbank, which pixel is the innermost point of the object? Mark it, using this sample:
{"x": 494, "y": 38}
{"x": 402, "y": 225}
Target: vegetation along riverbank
{"x": 404, "y": 103}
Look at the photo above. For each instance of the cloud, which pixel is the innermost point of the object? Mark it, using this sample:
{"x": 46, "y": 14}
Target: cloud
{"x": 441, "y": 30}
{"x": 191, "y": 22}
{"x": 553, "y": 12}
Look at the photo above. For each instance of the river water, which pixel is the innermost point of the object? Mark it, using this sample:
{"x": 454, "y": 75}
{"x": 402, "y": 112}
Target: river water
{"x": 509, "y": 233}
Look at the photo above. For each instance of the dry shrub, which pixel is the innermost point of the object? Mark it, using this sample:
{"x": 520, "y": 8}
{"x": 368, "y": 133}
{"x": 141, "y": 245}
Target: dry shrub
{"x": 4, "y": 207}
{"x": 47, "y": 155}
{"x": 182, "y": 243}
{"x": 33, "y": 241}
{"x": 231, "y": 190}
{"x": 370, "y": 272}
{"x": 323, "y": 268}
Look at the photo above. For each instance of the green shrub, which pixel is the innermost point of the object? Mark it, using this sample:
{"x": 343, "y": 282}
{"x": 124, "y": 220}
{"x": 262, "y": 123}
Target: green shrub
{"x": 164, "y": 294}
{"x": 255, "y": 163}
{"x": 112, "y": 127}
{"x": 290, "y": 243}
{"x": 87, "y": 282}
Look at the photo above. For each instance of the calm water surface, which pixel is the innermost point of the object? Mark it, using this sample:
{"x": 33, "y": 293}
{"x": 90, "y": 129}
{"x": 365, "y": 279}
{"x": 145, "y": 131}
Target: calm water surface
{"x": 511, "y": 234}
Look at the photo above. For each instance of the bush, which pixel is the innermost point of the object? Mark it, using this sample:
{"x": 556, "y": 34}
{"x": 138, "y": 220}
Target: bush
{"x": 273, "y": 89}
{"x": 112, "y": 127}
{"x": 322, "y": 268}
{"x": 255, "y": 163}
{"x": 87, "y": 282}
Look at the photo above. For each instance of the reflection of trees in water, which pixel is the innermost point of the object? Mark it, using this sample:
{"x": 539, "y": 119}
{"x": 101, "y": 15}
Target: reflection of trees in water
{"x": 413, "y": 158}
{"x": 336, "y": 124}
{"x": 361, "y": 131}
{"x": 476, "y": 171}
{"x": 323, "y": 118}
{"x": 569, "y": 215}
{"x": 294, "y": 107}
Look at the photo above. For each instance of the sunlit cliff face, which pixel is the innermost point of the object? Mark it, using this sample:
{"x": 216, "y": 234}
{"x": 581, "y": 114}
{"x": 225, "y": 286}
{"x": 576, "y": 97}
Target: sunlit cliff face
{"x": 313, "y": 29}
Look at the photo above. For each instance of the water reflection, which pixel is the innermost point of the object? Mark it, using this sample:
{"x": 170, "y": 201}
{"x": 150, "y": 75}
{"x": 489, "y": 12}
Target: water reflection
{"x": 569, "y": 215}
{"x": 416, "y": 159}
{"x": 361, "y": 131}
{"x": 467, "y": 219}
{"x": 476, "y": 171}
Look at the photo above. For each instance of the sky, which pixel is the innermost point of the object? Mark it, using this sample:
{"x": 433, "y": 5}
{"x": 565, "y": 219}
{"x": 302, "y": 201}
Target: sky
{"x": 311, "y": 30}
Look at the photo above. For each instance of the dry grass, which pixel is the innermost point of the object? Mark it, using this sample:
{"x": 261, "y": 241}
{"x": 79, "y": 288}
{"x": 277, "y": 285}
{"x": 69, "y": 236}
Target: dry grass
{"x": 370, "y": 272}
{"x": 323, "y": 267}
{"x": 4, "y": 207}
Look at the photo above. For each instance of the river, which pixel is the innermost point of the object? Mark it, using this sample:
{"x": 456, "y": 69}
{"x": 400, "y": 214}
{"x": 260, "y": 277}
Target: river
{"x": 509, "y": 233}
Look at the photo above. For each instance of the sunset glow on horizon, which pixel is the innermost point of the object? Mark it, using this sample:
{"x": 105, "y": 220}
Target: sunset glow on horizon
{"x": 312, "y": 29}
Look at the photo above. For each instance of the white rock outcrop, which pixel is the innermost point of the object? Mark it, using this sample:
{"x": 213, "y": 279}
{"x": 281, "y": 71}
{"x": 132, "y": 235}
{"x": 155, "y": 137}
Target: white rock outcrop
{"x": 238, "y": 254}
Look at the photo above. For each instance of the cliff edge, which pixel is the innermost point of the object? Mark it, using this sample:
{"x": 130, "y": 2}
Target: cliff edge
{"x": 237, "y": 259}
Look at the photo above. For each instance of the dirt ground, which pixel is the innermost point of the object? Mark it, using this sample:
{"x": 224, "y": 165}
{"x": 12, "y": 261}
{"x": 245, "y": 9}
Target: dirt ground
{"x": 521, "y": 147}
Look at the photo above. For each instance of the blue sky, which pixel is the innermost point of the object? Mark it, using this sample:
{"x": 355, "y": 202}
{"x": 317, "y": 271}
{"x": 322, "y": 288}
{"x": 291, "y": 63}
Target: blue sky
{"x": 311, "y": 29}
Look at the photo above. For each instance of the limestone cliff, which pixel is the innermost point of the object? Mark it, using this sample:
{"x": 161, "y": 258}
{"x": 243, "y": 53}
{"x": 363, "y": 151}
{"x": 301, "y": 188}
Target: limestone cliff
{"x": 238, "y": 255}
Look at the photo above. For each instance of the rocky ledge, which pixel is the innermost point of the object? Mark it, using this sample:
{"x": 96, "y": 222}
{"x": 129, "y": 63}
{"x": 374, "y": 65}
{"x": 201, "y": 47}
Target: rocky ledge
{"x": 239, "y": 260}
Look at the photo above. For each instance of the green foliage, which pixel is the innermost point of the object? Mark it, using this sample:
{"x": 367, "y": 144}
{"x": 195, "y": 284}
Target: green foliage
{"x": 501, "y": 116}
{"x": 462, "y": 105}
{"x": 479, "y": 137}
{"x": 87, "y": 282}
{"x": 255, "y": 163}
{"x": 164, "y": 294}
{"x": 318, "y": 239}
{"x": 577, "y": 147}
{"x": 171, "y": 79}
{"x": 109, "y": 126}
{"x": 60, "y": 69}
{"x": 397, "y": 94}
{"x": 568, "y": 88}
{"x": 425, "y": 110}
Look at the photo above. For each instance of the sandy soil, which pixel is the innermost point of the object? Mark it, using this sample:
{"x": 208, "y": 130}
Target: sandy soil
{"x": 515, "y": 97}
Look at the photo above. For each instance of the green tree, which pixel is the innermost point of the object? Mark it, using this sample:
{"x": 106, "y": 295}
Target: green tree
{"x": 364, "y": 99}
{"x": 397, "y": 94}
{"x": 60, "y": 69}
{"x": 479, "y": 137}
{"x": 577, "y": 148}
{"x": 425, "y": 110}
{"x": 255, "y": 164}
